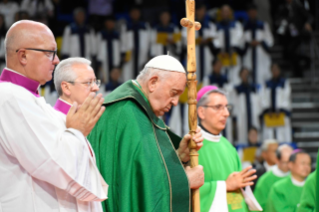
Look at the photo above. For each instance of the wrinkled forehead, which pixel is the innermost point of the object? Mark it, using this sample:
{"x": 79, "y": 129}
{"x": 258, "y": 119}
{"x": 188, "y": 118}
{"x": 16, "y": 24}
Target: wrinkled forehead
{"x": 176, "y": 80}
{"x": 83, "y": 71}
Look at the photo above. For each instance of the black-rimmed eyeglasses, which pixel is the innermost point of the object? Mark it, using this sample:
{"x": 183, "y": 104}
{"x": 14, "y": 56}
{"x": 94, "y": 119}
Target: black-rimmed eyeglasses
{"x": 50, "y": 53}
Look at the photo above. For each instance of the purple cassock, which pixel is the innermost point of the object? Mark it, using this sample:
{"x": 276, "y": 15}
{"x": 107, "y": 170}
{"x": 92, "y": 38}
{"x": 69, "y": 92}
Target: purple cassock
{"x": 20, "y": 80}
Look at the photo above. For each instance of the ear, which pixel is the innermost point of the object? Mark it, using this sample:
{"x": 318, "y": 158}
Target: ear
{"x": 201, "y": 113}
{"x": 22, "y": 57}
{"x": 65, "y": 88}
{"x": 152, "y": 84}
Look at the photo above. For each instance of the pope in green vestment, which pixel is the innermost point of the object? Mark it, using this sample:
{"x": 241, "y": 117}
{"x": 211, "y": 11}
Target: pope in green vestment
{"x": 264, "y": 184}
{"x": 135, "y": 153}
{"x": 284, "y": 196}
{"x": 307, "y": 200}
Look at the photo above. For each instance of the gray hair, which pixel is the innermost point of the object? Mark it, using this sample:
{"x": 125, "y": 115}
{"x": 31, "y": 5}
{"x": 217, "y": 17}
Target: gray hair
{"x": 65, "y": 72}
{"x": 266, "y": 143}
{"x": 282, "y": 148}
{"x": 204, "y": 99}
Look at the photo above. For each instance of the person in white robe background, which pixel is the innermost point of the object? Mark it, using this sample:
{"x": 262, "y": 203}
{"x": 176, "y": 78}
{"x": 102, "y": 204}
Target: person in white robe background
{"x": 247, "y": 106}
{"x": 228, "y": 44}
{"x": 9, "y": 9}
{"x": 166, "y": 37}
{"x": 78, "y": 38}
{"x": 204, "y": 42}
{"x": 277, "y": 100}
{"x": 136, "y": 41}
{"x": 204, "y": 57}
{"x": 108, "y": 44}
{"x": 42, "y": 162}
{"x": 258, "y": 41}
{"x": 217, "y": 78}
{"x": 35, "y": 7}
{"x": 74, "y": 80}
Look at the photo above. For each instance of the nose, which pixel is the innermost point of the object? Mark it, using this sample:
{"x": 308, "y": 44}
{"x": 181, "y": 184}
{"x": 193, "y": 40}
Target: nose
{"x": 175, "y": 101}
{"x": 95, "y": 88}
{"x": 226, "y": 112}
{"x": 56, "y": 60}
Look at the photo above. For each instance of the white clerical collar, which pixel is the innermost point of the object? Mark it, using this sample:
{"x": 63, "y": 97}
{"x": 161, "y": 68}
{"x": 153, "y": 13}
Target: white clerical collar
{"x": 210, "y": 137}
{"x": 267, "y": 166}
{"x": 136, "y": 83}
{"x": 277, "y": 172}
{"x": 62, "y": 100}
{"x": 9, "y": 69}
{"x": 297, "y": 183}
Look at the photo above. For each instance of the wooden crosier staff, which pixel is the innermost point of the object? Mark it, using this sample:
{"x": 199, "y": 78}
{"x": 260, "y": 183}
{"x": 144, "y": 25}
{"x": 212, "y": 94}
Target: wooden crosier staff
{"x": 191, "y": 25}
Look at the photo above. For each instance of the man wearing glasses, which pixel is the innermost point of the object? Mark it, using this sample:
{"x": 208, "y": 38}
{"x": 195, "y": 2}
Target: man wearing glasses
{"x": 44, "y": 165}
{"x": 222, "y": 167}
{"x": 74, "y": 80}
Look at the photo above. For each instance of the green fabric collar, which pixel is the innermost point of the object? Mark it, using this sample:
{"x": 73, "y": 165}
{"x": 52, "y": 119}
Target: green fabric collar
{"x": 130, "y": 90}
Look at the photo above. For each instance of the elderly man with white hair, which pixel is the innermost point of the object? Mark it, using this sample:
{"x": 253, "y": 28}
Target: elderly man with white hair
{"x": 137, "y": 154}
{"x": 45, "y": 164}
{"x": 74, "y": 80}
{"x": 268, "y": 154}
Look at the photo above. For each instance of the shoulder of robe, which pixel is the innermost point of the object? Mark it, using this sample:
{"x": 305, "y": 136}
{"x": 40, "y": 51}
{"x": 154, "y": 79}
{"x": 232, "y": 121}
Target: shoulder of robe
{"x": 129, "y": 92}
{"x": 280, "y": 185}
{"x": 9, "y": 91}
{"x": 263, "y": 178}
{"x": 227, "y": 143}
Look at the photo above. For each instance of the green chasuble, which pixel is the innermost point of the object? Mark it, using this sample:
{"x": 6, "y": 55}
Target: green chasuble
{"x": 307, "y": 200}
{"x": 263, "y": 186}
{"x": 284, "y": 196}
{"x": 135, "y": 153}
{"x": 317, "y": 188}
{"x": 219, "y": 159}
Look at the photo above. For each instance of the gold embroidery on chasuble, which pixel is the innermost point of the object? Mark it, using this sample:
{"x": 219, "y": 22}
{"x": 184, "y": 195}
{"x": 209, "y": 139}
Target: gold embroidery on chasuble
{"x": 235, "y": 199}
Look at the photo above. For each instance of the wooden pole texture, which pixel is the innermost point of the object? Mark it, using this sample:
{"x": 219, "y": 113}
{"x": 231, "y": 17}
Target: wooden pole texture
{"x": 191, "y": 25}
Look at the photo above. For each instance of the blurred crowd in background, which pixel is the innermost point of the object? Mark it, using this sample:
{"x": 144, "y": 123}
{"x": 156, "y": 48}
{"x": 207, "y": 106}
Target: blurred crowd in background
{"x": 232, "y": 49}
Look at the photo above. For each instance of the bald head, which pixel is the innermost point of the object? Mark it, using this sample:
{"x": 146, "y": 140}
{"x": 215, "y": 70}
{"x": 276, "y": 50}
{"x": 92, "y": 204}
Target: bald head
{"x": 23, "y": 41}
{"x": 24, "y": 34}
{"x": 283, "y": 154}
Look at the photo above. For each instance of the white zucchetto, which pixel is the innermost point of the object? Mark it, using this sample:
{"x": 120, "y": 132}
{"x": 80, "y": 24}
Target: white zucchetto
{"x": 166, "y": 63}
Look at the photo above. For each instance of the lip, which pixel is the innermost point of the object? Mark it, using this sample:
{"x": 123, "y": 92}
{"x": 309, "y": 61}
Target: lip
{"x": 166, "y": 109}
{"x": 223, "y": 122}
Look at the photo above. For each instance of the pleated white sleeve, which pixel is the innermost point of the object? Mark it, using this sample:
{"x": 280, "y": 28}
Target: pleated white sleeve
{"x": 31, "y": 133}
